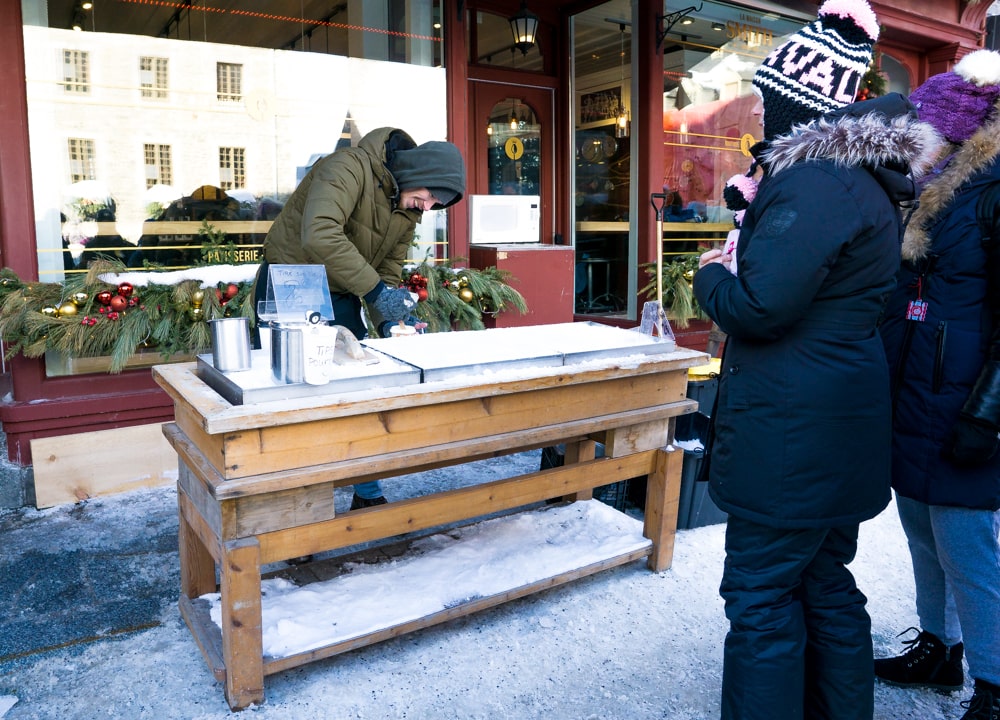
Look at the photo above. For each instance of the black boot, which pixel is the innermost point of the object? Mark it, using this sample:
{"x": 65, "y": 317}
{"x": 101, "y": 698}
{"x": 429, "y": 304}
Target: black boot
{"x": 985, "y": 702}
{"x": 927, "y": 663}
{"x": 358, "y": 502}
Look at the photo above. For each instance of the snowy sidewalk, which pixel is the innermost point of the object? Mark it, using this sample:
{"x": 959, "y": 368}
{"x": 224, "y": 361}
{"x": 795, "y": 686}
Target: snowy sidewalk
{"x": 102, "y": 579}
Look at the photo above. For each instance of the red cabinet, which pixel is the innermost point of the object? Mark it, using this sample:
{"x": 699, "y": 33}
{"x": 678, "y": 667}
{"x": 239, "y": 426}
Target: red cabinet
{"x": 543, "y": 274}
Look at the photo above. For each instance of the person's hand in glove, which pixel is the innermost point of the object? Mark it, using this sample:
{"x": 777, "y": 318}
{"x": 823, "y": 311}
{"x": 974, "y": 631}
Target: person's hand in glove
{"x": 972, "y": 442}
{"x": 394, "y": 304}
{"x": 385, "y": 329}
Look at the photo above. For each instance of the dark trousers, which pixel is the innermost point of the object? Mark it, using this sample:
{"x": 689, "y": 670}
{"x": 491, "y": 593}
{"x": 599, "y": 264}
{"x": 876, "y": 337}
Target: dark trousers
{"x": 799, "y": 645}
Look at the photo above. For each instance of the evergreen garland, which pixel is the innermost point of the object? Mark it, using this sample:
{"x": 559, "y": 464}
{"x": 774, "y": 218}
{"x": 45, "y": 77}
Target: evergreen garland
{"x": 70, "y": 317}
{"x": 458, "y": 297}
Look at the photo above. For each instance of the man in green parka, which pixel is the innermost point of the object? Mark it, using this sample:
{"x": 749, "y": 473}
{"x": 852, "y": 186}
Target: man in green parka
{"x": 355, "y": 213}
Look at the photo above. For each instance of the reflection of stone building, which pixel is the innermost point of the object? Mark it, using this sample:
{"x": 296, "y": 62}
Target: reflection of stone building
{"x": 218, "y": 115}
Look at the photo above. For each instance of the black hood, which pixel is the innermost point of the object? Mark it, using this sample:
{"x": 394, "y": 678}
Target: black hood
{"x": 434, "y": 164}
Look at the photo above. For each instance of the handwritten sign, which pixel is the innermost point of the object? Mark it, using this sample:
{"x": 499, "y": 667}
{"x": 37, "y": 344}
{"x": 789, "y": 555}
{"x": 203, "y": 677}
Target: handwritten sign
{"x": 293, "y": 291}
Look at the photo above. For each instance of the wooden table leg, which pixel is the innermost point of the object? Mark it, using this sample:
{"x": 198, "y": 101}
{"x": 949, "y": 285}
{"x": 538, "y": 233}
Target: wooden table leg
{"x": 580, "y": 452}
{"x": 662, "y": 498}
{"x": 242, "y": 639}
{"x": 197, "y": 564}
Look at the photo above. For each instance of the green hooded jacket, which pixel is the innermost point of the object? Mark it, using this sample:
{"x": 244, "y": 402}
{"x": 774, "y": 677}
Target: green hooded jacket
{"x": 344, "y": 214}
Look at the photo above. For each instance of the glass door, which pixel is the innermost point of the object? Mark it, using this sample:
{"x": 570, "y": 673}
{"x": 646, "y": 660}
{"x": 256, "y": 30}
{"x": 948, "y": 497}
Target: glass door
{"x": 604, "y": 239}
{"x": 513, "y": 151}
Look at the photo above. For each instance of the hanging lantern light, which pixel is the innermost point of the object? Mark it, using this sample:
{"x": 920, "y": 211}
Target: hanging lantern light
{"x": 524, "y": 25}
{"x": 621, "y": 122}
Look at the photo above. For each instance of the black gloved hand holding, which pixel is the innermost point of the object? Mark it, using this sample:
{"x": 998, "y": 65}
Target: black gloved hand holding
{"x": 972, "y": 442}
{"x": 385, "y": 329}
{"x": 394, "y": 304}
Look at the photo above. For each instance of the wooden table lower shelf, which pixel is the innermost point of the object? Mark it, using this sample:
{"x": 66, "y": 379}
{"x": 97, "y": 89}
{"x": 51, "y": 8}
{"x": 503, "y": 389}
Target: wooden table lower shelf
{"x": 395, "y": 618}
{"x": 255, "y": 483}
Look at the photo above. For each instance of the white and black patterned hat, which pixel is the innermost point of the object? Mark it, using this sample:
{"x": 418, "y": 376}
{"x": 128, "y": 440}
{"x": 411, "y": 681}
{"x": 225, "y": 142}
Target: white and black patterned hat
{"x": 819, "y": 68}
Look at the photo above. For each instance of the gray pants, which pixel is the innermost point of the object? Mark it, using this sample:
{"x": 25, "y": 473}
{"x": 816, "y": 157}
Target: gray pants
{"x": 956, "y": 567}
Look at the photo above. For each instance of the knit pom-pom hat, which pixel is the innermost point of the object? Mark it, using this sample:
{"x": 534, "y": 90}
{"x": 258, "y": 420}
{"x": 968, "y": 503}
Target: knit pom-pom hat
{"x": 819, "y": 68}
{"x": 738, "y": 193}
{"x": 957, "y": 103}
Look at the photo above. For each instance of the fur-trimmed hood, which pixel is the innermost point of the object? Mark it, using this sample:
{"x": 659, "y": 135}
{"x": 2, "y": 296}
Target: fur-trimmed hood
{"x": 964, "y": 162}
{"x": 882, "y": 135}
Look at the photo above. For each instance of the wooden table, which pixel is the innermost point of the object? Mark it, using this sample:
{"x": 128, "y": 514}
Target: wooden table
{"x": 255, "y": 482}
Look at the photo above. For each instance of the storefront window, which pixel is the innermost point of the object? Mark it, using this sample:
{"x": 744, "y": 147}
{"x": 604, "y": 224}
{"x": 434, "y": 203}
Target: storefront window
{"x": 708, "y": 128}
{"x": 710, "y": 54}
{"x": 605, "y": 244}
{"x": 157, "y": 123}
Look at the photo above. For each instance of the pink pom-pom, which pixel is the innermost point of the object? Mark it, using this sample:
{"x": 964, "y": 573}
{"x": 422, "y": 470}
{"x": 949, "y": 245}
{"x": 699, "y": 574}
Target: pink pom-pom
{"x": 746, "y": 185}
{"x": 857, "y": 10}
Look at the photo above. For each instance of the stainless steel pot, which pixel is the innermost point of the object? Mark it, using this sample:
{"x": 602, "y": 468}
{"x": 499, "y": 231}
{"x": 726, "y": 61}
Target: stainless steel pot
{"x": 287, "y": 358}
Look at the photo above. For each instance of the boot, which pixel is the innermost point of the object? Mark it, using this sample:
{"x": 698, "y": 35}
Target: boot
{"x": 927, "y": 663}
{"x": 358, "y": 502}
{"x": 985, "y": 702}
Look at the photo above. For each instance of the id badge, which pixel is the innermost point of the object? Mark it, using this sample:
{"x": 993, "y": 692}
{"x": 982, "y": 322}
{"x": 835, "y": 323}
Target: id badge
{"x": 916, "y": 310}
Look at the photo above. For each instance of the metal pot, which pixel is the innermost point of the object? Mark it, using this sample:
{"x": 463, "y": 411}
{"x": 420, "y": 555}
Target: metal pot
{"x": 230, "y": 344}
{"x": 287, "y": 357}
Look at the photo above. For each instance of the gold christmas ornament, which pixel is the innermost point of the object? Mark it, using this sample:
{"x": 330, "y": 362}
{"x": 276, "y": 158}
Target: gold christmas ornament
{"x": 67, "y": 310}
{"x": 79, "y": 298}
{"x": 197, "y": 298}
{"x": 49, "y": 311}
{"x": 196, "y": 313}
{"x": 466, "y": 295}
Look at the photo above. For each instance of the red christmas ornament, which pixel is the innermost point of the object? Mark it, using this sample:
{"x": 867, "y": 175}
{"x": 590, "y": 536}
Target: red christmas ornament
{"x": 231, "y": 291}
{"x": 125, "y": 289}
{"x": 421, "y": 294}
{"x": 119, "y": 303}
{"x": 104, "y": 297}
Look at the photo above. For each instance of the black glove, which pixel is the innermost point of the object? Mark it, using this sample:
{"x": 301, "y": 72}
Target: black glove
{"x": 972, "y": 442}
{"x": 394, "y": 304}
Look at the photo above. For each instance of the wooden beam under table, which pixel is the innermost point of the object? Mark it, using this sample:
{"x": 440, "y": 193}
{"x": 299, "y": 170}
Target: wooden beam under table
{"x": 451, "y": 506}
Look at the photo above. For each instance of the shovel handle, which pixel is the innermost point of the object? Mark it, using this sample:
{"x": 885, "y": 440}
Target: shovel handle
{"x": 662, "y": 197}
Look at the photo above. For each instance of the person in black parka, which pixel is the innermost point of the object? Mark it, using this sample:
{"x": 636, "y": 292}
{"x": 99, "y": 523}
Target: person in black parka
{"x": 942, "y": 340}
{"x": 799, "y": 453}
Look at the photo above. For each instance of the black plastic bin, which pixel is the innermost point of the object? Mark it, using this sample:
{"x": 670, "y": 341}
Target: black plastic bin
{"x": 695, "y": 507}
{"x": 704, "y": 391}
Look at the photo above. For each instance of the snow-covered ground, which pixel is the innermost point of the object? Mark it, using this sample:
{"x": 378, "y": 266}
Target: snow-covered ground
{"x": 625, "y": 644}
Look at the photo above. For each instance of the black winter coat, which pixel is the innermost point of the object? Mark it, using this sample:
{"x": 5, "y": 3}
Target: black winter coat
{"x": 950, "y": 360}
{"x": 802, "y": 427}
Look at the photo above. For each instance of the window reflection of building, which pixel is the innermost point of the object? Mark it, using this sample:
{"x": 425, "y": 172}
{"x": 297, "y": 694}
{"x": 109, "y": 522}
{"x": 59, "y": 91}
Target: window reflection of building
{"x": 160, "y": 96}
{"x": 709, "y": 59}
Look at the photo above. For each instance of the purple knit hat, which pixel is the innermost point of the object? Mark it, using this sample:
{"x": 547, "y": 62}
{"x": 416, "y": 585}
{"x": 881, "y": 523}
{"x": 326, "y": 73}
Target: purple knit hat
{"x": 957, "y": 103}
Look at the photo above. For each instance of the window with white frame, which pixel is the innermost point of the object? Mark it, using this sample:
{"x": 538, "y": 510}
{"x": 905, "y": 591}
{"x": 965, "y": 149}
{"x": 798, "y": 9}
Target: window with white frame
{"x": 229, "y": 81}
{"x": 232, "y": 167}
{"x": 153, "y": 77}
{"x": 158, "y": 167}
{"x": 76, "y": 71}
{"x": 81, "y": 160}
